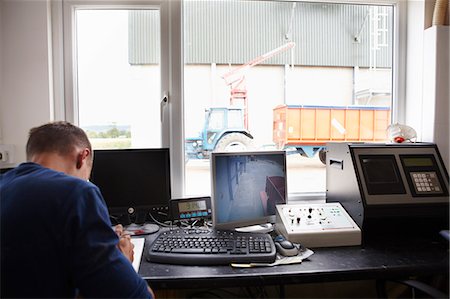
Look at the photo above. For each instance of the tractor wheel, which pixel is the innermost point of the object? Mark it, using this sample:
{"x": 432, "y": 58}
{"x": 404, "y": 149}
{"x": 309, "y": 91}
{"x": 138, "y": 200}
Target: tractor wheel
{"x": 323, "y": 156}
{"x": 233, "y": 142}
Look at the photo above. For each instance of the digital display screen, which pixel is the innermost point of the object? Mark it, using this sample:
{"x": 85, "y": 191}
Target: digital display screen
{"x": 418, "y": 162}
{"x": 381, "y": 174}
{"x": 189, "y": 206}
{"x": 380, "y": 170}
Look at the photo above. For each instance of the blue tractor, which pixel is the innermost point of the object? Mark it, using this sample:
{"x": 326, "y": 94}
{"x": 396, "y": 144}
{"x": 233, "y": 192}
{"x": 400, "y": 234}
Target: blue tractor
{"x": 226, "y": 129}
{"x": 223, "y": 130}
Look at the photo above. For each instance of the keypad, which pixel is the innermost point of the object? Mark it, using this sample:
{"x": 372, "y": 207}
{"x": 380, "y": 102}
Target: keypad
{"x": 426, "y": 182}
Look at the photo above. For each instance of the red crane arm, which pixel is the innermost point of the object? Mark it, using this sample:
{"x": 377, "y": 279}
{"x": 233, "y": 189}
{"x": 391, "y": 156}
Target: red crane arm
{"x": 237, "y": 73}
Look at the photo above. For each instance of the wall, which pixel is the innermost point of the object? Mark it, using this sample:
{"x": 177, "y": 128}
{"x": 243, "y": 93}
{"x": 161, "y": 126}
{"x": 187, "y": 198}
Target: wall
{"x": 427, "y": 80}
{"x": 435, "y": 107}
{"x": 25, "y": 98}
{"x": 414, "y": 72}
{"x": 1, "y": 70}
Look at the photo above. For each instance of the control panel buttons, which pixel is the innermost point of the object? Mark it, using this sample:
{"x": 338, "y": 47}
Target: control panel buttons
{"x": 426, "y": 182}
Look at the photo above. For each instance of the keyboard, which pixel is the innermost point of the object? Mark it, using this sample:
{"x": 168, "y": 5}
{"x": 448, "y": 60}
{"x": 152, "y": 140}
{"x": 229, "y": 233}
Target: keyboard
{"x": 211, "y": 247}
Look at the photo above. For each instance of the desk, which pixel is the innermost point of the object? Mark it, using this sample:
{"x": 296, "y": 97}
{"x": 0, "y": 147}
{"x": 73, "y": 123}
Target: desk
{"x": 394, "y": 259}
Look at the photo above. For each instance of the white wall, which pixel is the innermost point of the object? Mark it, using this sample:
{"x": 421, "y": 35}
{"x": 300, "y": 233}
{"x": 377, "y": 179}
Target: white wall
{"x": 436, "y": 90}
{"x": 24, "y": 71}
{"x": 414, "y": 62}
{"x": 427, "y": 83}
{"x": 322, "y": 86}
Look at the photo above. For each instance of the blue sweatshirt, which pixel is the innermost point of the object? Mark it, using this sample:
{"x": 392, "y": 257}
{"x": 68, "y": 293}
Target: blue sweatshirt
{"x": 57, "y": 240}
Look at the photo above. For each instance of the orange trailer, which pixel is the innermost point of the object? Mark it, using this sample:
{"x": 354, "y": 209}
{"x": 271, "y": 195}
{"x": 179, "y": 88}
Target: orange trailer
{"x": 309, "y": 128}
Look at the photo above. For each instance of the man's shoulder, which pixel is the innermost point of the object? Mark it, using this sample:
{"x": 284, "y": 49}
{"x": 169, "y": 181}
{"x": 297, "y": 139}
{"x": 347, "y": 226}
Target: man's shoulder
{"x": 52, "y": 180}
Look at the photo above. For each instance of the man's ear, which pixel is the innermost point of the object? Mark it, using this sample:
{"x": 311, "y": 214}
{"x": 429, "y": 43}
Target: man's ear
{"x": 81, "y": 157}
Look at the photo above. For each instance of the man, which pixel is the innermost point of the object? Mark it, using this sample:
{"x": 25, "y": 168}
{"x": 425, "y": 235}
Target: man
{"x": 56, "y": 236}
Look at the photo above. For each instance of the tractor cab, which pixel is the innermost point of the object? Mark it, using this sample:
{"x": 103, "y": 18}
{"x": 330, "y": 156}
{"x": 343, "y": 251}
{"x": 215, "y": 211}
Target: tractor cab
{"x": 223, "y": 130}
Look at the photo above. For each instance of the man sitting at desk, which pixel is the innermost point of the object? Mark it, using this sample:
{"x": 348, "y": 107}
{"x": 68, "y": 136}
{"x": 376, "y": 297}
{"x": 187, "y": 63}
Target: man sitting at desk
{"x": 56, "y": 236}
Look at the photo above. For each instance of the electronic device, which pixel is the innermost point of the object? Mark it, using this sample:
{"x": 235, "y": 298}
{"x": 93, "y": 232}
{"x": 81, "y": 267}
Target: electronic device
{"x": 246, "y": 187}
{"x": 286, "y": 247}
{"x": 211, "y": 247}
{"x": 191, "y": 208}
{"x": 134, "y": 183}
{"x": 317, "y": 225}
{"x": 389, "y": 188}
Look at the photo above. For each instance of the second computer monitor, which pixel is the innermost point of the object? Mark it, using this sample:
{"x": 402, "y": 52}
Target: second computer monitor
{"x": 246, "y": 186}
{"x": 135, "y": 183}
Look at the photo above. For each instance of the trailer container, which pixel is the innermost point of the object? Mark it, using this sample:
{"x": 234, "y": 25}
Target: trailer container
{"x": 309, "y": 128}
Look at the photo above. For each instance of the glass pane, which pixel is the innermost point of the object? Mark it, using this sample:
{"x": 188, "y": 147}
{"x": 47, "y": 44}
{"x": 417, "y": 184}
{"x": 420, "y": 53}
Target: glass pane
{"x": 118, "y": 68}
{"x": 301, "y": 74}
{"x": 234, "y": 118}
{"x": 216, "y": 120}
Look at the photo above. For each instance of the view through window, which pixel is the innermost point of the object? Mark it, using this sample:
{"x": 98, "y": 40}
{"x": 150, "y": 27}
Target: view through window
{"x": 258, "y": 75}
{"x": 283, "y": 75}
{"x": 118, "y": 77}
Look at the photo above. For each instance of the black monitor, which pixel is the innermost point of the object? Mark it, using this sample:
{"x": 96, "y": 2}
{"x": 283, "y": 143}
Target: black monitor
{"x": 134, "y": 182}
{"x": 246, "y": 187}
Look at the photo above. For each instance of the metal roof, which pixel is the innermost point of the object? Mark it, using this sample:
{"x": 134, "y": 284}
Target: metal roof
{"x": 235, "y": 31}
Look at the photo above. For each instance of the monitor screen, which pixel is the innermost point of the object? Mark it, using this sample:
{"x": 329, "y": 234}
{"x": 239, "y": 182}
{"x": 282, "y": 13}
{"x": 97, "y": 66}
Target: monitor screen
{"x": 133, "y": 181}
{"x": 246, "y": 186}
{"x": 381, "y": 174}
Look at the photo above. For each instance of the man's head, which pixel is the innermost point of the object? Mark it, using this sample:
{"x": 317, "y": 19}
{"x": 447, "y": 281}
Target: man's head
{"x": 62, "y": 141}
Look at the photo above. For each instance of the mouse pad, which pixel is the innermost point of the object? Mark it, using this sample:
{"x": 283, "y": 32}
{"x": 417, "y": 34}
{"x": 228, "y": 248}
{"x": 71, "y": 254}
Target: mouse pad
{"x": 139, "y": 230}
{"x": 281, "y": 260}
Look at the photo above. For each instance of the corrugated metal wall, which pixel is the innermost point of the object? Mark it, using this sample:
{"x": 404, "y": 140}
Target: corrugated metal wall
{"x": 143, "y": 31}
{"x": 234, "y": 32}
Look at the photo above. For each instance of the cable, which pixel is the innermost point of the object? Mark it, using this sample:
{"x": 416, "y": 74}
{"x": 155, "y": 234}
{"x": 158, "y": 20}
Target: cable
{"x": 158, "y": 222}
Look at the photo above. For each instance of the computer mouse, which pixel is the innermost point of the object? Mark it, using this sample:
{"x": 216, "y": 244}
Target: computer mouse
{"x": 286, "y": 248}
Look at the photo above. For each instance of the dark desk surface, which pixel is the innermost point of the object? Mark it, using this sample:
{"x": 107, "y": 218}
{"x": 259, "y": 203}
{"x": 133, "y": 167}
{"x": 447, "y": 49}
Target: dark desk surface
{"x": 394, "y": 259}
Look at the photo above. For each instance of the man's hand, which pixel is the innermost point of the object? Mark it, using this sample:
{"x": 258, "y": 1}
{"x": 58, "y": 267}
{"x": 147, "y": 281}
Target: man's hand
{"x": 125, "y": 245}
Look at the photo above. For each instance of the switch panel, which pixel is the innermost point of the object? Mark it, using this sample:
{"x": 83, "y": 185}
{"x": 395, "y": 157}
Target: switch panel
{"x": 317, "y": 225}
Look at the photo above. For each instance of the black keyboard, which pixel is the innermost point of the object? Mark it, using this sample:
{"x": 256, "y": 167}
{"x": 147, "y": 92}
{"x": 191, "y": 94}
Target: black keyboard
{"x": 211, "y": 247}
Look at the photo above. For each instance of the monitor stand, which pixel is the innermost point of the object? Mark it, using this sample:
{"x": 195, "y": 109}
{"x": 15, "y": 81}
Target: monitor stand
{"x": 259, "y": 228}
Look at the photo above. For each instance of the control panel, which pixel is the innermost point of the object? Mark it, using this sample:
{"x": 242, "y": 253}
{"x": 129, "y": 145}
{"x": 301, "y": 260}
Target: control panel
{"x": 317, "y": 225}
{"x": 389, "y": 189}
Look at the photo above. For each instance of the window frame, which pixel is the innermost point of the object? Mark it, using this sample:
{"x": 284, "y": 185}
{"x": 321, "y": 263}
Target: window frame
{"x": 64, "y": 62}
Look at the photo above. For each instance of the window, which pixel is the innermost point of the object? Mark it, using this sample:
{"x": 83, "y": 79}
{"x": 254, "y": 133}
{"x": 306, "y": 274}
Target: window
{"x": 226, "y": 75}
{"x": 300, "y": 73}
{"x": 112, "y": 75}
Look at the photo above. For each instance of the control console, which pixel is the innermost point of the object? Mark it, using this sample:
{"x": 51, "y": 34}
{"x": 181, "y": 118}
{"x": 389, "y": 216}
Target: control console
{"x": 317, "y": 225}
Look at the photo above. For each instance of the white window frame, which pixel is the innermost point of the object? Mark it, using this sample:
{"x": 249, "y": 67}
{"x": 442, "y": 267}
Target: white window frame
{"x": 172, "y": 64}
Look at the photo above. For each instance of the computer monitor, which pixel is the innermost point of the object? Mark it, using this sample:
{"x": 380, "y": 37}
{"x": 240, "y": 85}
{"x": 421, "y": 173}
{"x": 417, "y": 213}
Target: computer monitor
{"x": 246, "y": 186}
{"x": 134, "y": 182}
